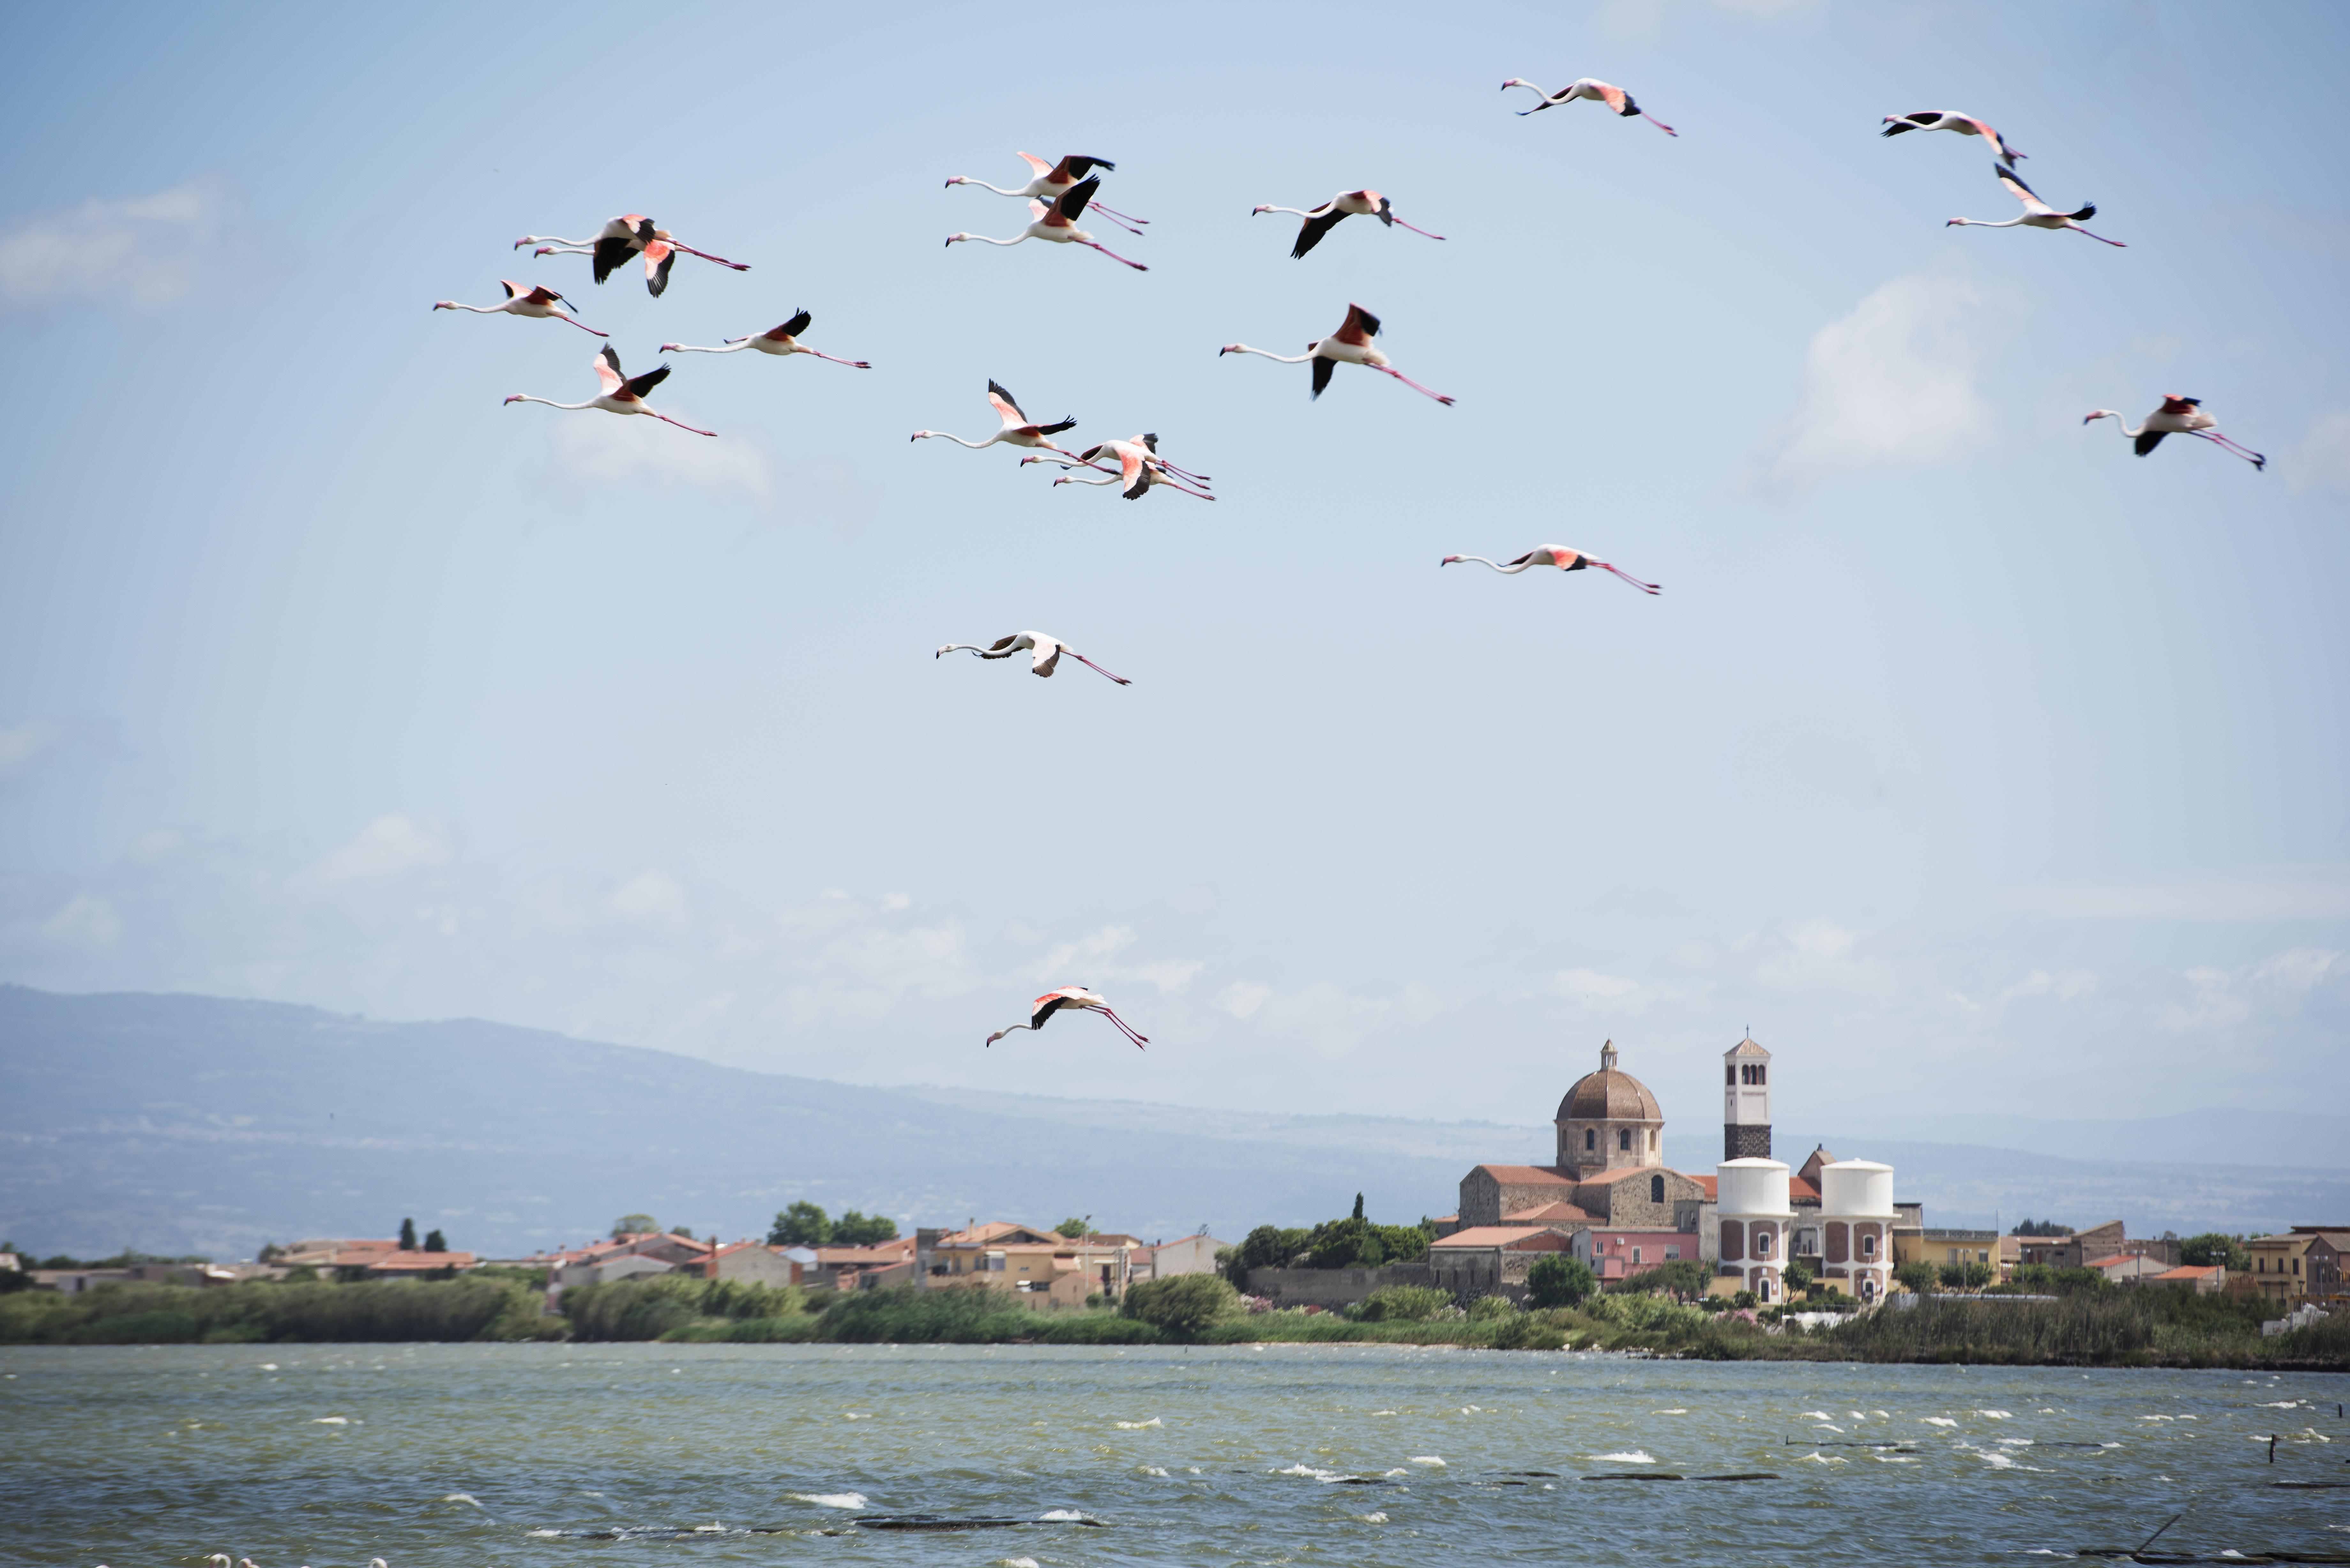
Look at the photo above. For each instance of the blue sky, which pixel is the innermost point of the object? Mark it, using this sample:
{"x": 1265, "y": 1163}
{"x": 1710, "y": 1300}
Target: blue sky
{"x": 1970, "y": 761}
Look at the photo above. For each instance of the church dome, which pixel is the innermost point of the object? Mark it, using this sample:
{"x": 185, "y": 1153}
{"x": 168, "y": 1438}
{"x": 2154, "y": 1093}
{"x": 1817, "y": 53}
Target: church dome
{"x": 1609, "y": 1096}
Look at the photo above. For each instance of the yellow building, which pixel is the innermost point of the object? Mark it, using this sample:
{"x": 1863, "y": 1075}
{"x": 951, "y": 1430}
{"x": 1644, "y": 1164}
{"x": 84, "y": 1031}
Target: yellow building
{"x": 1046, "y": 1270}
{"x": 1947, "y": 1249}
{"x": 2280, "y": 1270}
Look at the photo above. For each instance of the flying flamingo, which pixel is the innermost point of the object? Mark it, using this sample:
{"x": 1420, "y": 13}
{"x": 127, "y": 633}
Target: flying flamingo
{"x": 2179, "y": 416}
{"x": 1044, "y": 652}
{"x": 621, "y": 238}
{"x": 1592, "y": 88}
{"x": 2037, "y": 214}
{"x": 1058, "y": 224}
{"x": 1945, "y": 119}
{"x": 1321, "y": 219}
{"x": 1350, "y": 345}
{"x": 784, "y": 339}
{"x": 520, "y": 301}
{"x": 620, "y": 395}
{"x": 1053, "y": 180}
{"x": 1018, "y": 429}
{"x": 1140, "y": 468}
{"x": 1071, "y": 996}
{"x": 1558, "y": 556}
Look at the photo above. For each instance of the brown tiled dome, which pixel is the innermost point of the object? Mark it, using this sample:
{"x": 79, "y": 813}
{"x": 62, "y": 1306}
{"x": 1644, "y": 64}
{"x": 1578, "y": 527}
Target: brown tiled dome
{"x": 1609, "y": 1095}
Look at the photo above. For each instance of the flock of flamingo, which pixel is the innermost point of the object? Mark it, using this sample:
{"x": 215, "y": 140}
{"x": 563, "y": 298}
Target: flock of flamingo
{"x": 1058, "y": 195}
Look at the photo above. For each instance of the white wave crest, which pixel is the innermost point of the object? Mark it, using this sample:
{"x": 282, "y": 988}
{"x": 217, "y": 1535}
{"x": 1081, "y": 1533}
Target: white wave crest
{"x": 1426, "y": 1460}
{"x": 832, "y": 1498}
{"x": 1372, "y": 1518}
{"x": 1937, "y": 1420}
{"x": 1063, "y": 1516}
{"x": 330, "y": 1421}
{"x": 1636, "y": 1456}
{"x": 1137, "y": 1425}
{"x": 1816, "y": 1457}
{"x": 462, "y": 1496}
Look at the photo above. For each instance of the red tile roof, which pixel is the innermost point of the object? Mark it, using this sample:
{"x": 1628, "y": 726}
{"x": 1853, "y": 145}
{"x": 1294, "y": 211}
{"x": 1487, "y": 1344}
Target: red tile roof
{"x": 1712, "y": 1185}
{"x": 1509, "y": 1238}
{"x": 1545, "y": 1214}
{"x": 1520, "y": 1175}
{"x": 2184, "y": 1273}
{"x": 406, "y": 1262}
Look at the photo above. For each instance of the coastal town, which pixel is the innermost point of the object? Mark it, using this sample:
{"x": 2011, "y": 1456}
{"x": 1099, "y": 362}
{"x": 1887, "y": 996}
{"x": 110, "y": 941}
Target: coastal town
{"x": 1756, "y": 1231}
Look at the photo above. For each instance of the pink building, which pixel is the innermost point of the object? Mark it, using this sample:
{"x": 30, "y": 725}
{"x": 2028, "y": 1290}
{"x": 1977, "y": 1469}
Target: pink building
{"x": 1617, "y": 1255}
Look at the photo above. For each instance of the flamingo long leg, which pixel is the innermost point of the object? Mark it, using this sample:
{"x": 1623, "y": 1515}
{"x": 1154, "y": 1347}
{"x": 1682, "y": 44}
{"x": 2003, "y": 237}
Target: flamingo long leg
{"x": 1113, "y": 217}
{"x": 1415, "y": 228}
{"x": 1114, "y": 213}
{"x": 705, "y": 255}
{"x": 1643, "y": 587}
{"x": 1185, "y": 490}
{"x": 1122, "y": 680}
{"x": 2101, "y": 239}
{"x": 577, "y": 322}
{"x": 1124, "y": 1027}
{"x": 680, "y": 424}
{"x": 1659, "y": 124}
{"x": 2226, "y": 445}
{"x": 852, "y": 364}
{"x": 1113, "y": 255}
{"x": 1415, "y": 385}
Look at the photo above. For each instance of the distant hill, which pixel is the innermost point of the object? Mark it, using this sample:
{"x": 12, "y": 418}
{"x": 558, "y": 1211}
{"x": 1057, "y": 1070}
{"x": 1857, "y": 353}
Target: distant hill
{"x": 192, "y": 1124}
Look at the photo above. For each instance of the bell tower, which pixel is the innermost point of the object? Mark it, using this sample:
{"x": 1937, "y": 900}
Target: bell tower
{"x": 1746, "y": 1101}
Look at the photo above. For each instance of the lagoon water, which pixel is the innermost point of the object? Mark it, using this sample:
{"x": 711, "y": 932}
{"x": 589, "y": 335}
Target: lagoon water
{"x": 616, "y": 1455}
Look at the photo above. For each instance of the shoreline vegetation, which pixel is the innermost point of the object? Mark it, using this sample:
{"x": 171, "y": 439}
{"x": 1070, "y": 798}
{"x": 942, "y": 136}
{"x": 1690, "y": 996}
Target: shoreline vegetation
{"x": 2112, "y": 1327}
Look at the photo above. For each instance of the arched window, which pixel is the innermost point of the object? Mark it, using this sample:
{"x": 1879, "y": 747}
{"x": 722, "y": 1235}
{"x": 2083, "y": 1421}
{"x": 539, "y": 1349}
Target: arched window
{"x": 1868, "y": 1245}
{"x": 1656, "y": 1190}
{"x": 1762, "y": 1243}
{"x": 1653, "y": 1136}
{"x": 1624, "y": 1138}
{"x": 1590, "y": 1138}
{"x": 1730, "y": 1074}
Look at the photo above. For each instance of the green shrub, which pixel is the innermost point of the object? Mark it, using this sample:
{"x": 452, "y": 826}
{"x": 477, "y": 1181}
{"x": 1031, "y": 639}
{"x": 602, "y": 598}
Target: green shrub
{"x": 1266, "y": 1247}
{"x": 1105, "y": 1329}
{"x": 1521, "y": 1330}
{"x": 1488, "y": 1309}
{"x": 1682, "y": 1276}
{"x": 2202, "y": 1251}
{"x": 1919, "y": 1275}
{"x": 448, "y": 1310}
{"x": 1797, "y": 1276}
{"x": 1559, "y": 1280}
{"x": 1404, "y": 1303}
{"x": 1183, "y": 1306}
{"x": 902, "y": 1315}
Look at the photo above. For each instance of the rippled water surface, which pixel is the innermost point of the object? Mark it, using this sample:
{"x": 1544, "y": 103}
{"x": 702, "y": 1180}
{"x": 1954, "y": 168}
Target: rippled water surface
{"x": 688, "y": 1455}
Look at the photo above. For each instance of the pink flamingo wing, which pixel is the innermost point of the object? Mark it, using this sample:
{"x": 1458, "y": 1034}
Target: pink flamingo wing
{"x": 607, "y": 370}
{"x": 1038, "y": 164}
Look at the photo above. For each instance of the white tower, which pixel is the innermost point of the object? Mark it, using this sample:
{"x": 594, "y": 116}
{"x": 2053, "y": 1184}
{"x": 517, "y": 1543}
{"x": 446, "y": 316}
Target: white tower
{"x": 1746, "y": 1101}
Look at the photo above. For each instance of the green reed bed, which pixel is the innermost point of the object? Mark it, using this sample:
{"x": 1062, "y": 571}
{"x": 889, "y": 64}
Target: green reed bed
{"x": 257, "y": 1313}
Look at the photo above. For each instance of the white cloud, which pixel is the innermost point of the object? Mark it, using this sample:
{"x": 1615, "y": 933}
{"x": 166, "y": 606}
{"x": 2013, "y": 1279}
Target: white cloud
{"x": 1242, "y": 997}
{"x": 2220, "y": 998}
{"x": 2321, "y": 459}
{"x": 1093, "y": 952}
{"x": 147, "y": 249}
{"x": 598, "y": 446}
{"x": 384, "y": 846}
{"x": 1891, "y": 384}
{"x": 21, "y": 744}
{"x": 2070, "y": 986}
{"x": 85, "y": 921}
{"x": 2318, "y": 893}
{"x": 1609, "y": 992}
{"x": 651, "y": 896}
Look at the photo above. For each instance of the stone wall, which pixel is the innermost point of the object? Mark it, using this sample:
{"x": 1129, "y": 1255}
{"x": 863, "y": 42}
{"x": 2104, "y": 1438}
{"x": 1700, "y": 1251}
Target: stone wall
{"x": 1634, "y": 1202}
{"x": 1333, "y": 1287}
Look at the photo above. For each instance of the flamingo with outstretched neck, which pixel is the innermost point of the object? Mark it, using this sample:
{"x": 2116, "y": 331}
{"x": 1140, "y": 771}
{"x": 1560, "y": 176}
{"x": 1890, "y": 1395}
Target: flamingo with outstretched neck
{"x": 540, "y": 303}
{"x": 620, "y": 238}
{"x": 2037, "y": 214}
{"x": 1558, "y": 556}
{"x": 1052, "y": 180}
{"x": 1945, "y": 119}
{"x": 1140, "y": 468}
{"x": 1018, "y": 429}
{"x": 1350, "y": 345}
{"x": 2178, "y": 416}
{"x": 784, "y": 339}
{"x": 1320, "y": 221}
{"x": 1058, "y": 223}
{"x": 1043, "y": 648}
{"x": 621, "y": 394}
{"x": 1591, "y": 88}
{"x": 1074, "y": 997}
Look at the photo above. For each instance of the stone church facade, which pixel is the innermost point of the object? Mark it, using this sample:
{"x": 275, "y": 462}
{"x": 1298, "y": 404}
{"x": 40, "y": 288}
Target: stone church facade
{"x": 1609, "y": 1170}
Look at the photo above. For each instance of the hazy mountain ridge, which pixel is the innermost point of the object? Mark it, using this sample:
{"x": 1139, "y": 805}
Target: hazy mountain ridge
{"x": 185, "y": 1122}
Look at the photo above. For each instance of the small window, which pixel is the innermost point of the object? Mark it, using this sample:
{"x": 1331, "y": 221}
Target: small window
{"x": 1656, "y": 1190}
{"x": 1624, "y": 1138}
{"x": 1762, "y": 1243}
{"x": 1868, "y": 1246}
{"x": 1653, "y": 1136}
{"x": 1761, "y": 1073}
{"x": 1730, "y": 1074}
{"x": 1671, "y": 1253}
{"x": 1636, "y": 1255}
{"x": 1590, "y": 1138}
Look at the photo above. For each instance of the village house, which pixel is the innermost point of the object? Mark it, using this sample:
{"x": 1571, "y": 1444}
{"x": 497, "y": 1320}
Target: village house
{"x": 2204, "y": 1279}
{"x": 1056, "y": 1271}
{"x": 2281, "y": 1272}
{"x": 1617, "y": 1255}
{"x": 1483, "y": 1260}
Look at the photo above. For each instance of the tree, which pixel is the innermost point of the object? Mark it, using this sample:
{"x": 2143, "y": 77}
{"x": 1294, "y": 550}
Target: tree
{"x": 1182, "y": 1305}
{"x": 854, "y": 1230}
{"x": 1974, "y": 1276}
{"x": 435, "y": 1242}
{"x": 1350, "y": 1243}
{"x": 407, "y": 1235}
{"x": 1681, "y": 1277}
{"x": 1073, "y": 1228}
{"x": 1358, "y": 1205}
{"x": 634, "y": 1225}
{"x": 1266, "y": 1247}
{"x": 2210, "y": 1248}
{"x": 1797, "y": 1276}
{"x": 1560, "y": 1279}
{"x": 1404, "y": 1303}
{"x": 801, "y": 1225}
{"x": 2040, "y": 1228}
{"x": 1919, "y": 1275}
